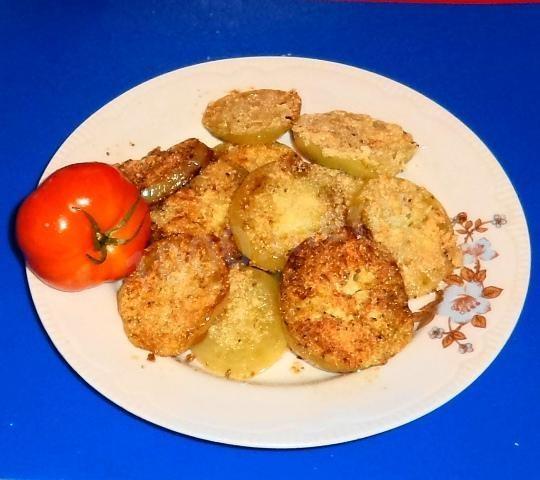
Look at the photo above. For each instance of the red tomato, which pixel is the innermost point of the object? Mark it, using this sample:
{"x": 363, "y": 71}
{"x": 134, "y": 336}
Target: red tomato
{"x": 84, "y": 225}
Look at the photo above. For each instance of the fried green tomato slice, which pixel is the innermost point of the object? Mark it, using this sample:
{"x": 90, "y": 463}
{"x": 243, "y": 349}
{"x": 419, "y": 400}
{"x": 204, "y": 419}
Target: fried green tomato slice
{"x": 343, "y": 302}
{"x": 355, "y": 143}
{"x": 413, "y": 225}
{"x": 201, "y": 207}
{"x": 162, "y": 172}
{"x": 246, "y": 335}
{"x": 282, "y": 203}
{"x": 165, "y": 304}
{"x": 253, "y": 116}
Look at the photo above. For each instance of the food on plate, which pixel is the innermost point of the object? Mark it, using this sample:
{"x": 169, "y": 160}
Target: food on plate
{"x": 252, "y": 157}
{"x": 165, "y": 304}
{"x": 343, "y": 302}
{"x": 201, "y": 207}
{"x": 84, "y": 225}
{"x": 412, "y": 224}
{"x": 355, "y": 143}
{"x": 352, "y": 242}
{"x": 161, "y": 173}
{"x": 246, "y": 335}
{"x": 282, "y": 203}
{"x": 253, "y": 116}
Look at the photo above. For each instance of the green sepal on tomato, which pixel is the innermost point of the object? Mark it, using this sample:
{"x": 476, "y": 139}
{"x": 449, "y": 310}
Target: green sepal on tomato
{"x": 84, "y": 225}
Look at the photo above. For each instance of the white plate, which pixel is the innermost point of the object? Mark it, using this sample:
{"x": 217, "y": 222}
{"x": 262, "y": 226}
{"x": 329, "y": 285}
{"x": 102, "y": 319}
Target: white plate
{"x": 281, "y": 408}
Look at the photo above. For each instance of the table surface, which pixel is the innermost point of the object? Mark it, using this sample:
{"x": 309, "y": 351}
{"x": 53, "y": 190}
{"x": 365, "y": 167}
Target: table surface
{"x": 60, "y": 61}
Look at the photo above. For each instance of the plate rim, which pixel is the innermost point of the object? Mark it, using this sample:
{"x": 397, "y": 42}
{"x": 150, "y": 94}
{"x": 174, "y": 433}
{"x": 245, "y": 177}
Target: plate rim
{"x": 62, "y": 344}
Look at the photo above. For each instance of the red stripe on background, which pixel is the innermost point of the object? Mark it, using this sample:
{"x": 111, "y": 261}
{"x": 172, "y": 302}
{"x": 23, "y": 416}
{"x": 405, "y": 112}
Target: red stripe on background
{"x": 450, "y": 2}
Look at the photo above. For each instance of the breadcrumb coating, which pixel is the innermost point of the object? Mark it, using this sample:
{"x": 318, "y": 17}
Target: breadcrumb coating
{"x": 254, "y": 116}
{"x": 282, "y": 203}
{"x": 160, "y": 173}
{"x": 343, "y": 302}
{"x": 355, "y": 143}
{"x": 165, "y": 304}
{"x": 413, "y": 225}
{"x": 252, "y": 157}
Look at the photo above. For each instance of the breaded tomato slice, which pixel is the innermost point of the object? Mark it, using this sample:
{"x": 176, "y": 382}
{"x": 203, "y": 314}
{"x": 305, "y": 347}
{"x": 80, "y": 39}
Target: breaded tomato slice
{"x": 166, "y": 302}
{"x": 162, "y": 172}
{"x": 343, "y": 302}
{"x": 413, "y": 225}
{"x": 356, "y": 143}
{"x": 253, "y": 116}
{"x": 282, "y": 203}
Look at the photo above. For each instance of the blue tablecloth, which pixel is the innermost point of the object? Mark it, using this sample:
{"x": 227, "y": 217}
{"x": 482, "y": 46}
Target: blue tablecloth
{"x": 60, "y": 61}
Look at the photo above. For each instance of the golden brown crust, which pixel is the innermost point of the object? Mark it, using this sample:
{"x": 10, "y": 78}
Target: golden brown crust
{"x": 173, "y": 167}
{"x": 201, "y": 208}
{"x": 282, "y": 203}
{"x": 343, "y": 302}
{"x": 166, "y": 302}
{"x": 413, "y": 225}
{"x": 252, "y": 157}
{"x": 253, "y": 116}
{"x": 246, "y": 335}
{"x": 355, "y": 143}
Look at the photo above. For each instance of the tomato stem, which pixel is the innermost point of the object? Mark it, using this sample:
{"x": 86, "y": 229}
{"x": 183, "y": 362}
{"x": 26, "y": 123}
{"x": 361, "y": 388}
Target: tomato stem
{"x": 102, "y": 239}
{"x": 99, "y": 260}
{"x": 127, "y": 217}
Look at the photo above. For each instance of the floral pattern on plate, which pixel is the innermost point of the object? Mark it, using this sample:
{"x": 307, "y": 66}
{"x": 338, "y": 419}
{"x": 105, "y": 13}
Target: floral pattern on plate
{"x": 464, "y": 299}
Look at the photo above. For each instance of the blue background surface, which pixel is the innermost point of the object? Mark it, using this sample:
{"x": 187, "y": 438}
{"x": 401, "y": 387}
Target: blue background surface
{"x": 60, "y": 61}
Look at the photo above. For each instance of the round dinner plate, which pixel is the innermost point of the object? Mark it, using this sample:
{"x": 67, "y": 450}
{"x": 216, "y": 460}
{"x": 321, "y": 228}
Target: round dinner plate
{"x": 293, "y": 404}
